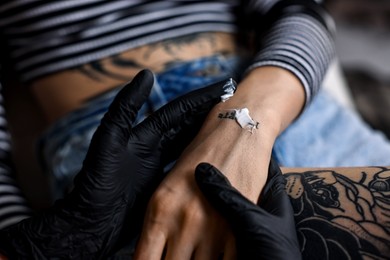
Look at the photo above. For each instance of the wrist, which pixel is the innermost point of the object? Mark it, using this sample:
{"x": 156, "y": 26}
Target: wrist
{"x": 271, "y": 93}
{"x": 266, "y": 119}
{"x": 243, "y": 156}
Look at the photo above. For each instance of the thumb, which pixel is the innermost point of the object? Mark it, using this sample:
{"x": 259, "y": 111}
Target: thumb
{"x": 113, "y": 133}
{"x": 240, "y": 212}
{"x": 259, "y": 235}
{"x": 274, "y": 198}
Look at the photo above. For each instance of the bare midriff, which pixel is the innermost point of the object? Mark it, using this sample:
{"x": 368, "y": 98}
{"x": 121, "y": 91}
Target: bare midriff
{"x": 62, "y": 92}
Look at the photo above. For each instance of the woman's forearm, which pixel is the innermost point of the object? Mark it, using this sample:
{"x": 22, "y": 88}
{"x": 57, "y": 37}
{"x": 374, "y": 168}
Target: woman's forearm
{"x": 272, "y": 94}
{"x": 274, "y": 98}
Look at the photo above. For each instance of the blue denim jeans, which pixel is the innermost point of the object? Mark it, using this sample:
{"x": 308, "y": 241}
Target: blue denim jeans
{"x": 64, "y": 145}
{"x": 326, "y": 134}
{"x": 329, "y": 135}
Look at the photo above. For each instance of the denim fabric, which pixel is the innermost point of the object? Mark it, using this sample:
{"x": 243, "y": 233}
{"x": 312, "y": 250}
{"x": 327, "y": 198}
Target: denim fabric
{"x": 326, "y": 134}
{"x": 64, "y": 145}
{"x": 329, "y": 135}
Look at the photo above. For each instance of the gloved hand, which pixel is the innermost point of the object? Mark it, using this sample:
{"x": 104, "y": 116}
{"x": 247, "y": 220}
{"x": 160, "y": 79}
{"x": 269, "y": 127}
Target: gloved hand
{"x": 121, "y": 165}
{"x": 264, "y": 231}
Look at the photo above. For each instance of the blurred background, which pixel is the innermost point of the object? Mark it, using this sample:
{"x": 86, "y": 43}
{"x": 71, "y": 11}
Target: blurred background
{"x": 363, "y": 46}
{"x": 362, "y": 43}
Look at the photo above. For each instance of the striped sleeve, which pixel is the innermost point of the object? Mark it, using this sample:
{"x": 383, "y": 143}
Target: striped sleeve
{"x": 298, "y": 40}
{"x": 45, "y": 37}
{"x": 13, "y": 206}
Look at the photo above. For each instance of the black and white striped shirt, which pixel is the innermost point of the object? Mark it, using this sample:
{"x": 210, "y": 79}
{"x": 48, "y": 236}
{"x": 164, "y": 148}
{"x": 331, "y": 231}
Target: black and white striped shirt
{"x": 13, "y": 205}
{"x": 43, "y": 37}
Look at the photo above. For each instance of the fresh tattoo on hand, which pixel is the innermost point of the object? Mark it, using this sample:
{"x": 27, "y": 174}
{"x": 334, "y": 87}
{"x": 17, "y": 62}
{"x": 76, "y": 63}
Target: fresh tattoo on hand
{"x": 231, "y": 114}
{"x": 242, "y": 117}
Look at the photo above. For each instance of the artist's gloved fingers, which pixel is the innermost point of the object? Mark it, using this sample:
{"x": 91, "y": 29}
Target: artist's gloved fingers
{"x": 124, "y": 108}
{"x": 275, "y": 201}
{"x": 162, "y": 136}
{"x": 240, "y": 212}
{"x": 173, "y": 113}
{"x": 178, "y": 121}
{"x": 87, "y": 223}
{"x": 198, "y": 100}
{"x": 246, "y": 219}
{"x": 259, "y": 234}
{"x": 114, "y": 129}
{"x": 232, "y": 204}
{"x": 273, "y": 198}
{"x": 101, "y": 177}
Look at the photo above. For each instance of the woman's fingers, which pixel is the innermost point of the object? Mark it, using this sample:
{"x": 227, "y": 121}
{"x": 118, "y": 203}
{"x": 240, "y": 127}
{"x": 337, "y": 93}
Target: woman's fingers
{"x": 179, "y": 247}
{"x": 181, "y": 221}
{"x": 151, "y": 244}
{"x": 209, "y": 250}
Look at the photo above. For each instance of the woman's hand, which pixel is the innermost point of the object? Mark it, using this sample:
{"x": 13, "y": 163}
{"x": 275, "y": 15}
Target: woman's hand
{"x": 179, "y": 223}
{"x": 178, "y": 219}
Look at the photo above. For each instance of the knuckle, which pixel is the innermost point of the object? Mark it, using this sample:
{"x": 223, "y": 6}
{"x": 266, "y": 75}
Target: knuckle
{"x": 193, "y": 213}
{"x": 161, "y": 204}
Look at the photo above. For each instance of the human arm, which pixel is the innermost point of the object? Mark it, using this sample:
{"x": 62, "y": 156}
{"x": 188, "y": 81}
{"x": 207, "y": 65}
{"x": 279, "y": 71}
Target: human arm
{"x": 122, "y": 164}
{"x": 263, "y": 231}
{"x": 274, "y": 96}
{"x": 100, "y": 191}
{"x": 340, "y": 213}
{"x": 177, "y": 195}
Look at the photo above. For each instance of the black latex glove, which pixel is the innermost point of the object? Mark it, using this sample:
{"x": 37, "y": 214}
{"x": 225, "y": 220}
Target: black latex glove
{"x": 264, "y": 231}
{"x": 121, "y": 164}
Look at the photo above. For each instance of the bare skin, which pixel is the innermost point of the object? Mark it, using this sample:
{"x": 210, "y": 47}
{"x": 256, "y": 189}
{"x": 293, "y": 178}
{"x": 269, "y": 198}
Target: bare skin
{"x": 340, "y": 213}
{"x": 62, "y": 92}
{"x": 178, "y": 219}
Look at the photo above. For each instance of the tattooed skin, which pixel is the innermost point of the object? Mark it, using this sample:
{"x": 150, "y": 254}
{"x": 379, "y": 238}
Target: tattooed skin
{"x": 173, "y": 50}
{"x": 339, "y": 217}
{"x": 96, "y": 69}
